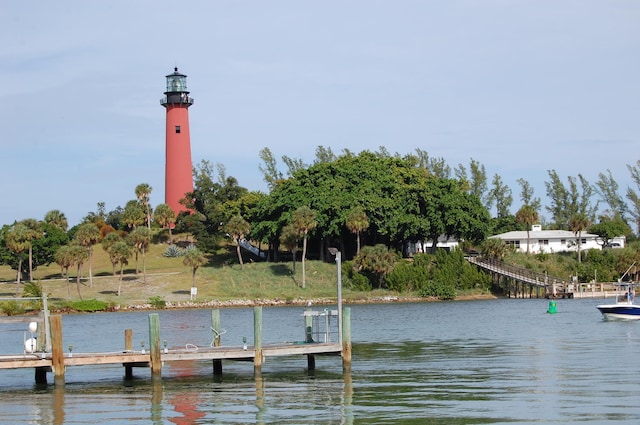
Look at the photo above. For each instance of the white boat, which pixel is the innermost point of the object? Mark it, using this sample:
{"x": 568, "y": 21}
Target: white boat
{"x": 624, "y": 307}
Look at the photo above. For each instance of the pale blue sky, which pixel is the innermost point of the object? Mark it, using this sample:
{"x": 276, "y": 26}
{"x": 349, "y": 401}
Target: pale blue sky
{"x": 520, "y": 86}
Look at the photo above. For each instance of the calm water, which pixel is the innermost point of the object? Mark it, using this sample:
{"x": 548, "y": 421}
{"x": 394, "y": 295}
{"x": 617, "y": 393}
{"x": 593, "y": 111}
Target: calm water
{"x": 476, "y": 362}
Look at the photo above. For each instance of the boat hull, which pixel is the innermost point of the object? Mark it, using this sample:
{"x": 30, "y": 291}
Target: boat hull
{"x": 620, "y": 312}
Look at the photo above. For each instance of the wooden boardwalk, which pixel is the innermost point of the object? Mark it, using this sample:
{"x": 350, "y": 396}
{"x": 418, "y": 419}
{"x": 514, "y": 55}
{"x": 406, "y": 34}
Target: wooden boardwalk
{"x": 520, "y": 279}
{"x": 55, "y": 360}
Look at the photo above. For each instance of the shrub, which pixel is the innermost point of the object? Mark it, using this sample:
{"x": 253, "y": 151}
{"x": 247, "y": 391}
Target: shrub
{"x": 157, "y": 302}
{"x": 173, "y": 251}
{"x": 12, "y": 308}
{"x": 438, "y": 289}
{"x": 91, "y": 305}
{"x": 408, "y": 276}
{"x": 352, "y": 279}
{"x": 33, "y": 290}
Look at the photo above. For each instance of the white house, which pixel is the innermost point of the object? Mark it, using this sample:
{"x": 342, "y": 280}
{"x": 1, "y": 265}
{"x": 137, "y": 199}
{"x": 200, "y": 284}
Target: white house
{"x": 554, "y": 240}
{"x": 426, "y": 246}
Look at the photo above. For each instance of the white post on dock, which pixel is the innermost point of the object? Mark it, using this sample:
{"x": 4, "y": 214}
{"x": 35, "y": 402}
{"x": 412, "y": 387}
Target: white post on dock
{"x": 338, "y": 255}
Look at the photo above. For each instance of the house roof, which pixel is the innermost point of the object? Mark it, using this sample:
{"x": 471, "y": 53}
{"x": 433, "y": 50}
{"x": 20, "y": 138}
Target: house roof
{"x": 542, "y": 234}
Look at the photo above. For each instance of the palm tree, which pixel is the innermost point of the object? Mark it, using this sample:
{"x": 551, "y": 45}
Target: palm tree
{"x": 238, "y": 227}
{"x": 88, "y": 235}
{"x": 528, "y": 216}
{"x": 64, "y": 258}
{"x": 357, "y": 221}
{"x": 17, "y": 241}
{"x": 165, "y": 217}
{"x": 133, "y": 214}
{"x": 494, "y": 248}
{"x": 107, "y": 242}
{"x": 33, "y": 232}
{"x": 78, "y": 255}
{"x": 577, "y": 224}
{"x": 140, "y": 239}
{"x": 304, "y": 221}
{"x": 194, "y": 258}
{"x": 56, "y": 218}
{"x": 120, "y": 252}
{"x": 143, "y": 191}
{"x": 289, "y": 238}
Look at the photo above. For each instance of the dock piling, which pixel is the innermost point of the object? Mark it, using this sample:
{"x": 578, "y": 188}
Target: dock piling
{"x": 154, "y": 343}
{"x": 57, "y": 352}
{"x": 257, "y": 338}
{"x": 217, "y": 341}
{"x": 346, "y": 338}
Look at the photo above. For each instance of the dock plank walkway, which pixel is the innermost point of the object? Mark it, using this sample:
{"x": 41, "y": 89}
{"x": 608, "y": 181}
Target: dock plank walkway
{"x": 207, "y": 353}
{"x": 50, "y": 356}
{"x": 552, "y": 285}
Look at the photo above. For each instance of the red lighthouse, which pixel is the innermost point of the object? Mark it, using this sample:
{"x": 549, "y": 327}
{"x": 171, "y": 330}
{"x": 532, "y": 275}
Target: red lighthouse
{"x": 178, "y": 171}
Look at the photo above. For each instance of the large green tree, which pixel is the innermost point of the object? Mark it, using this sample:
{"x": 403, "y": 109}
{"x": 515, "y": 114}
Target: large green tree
{"x": 214, "y": 200}
{"x": 402, "y": 200}
{"x": 527, "y": 195}
{"x": 567, "y": 201}
{"x": 500, "y": 195}
{"x": 633, "y": 195}
{"x": 608, "y": 228}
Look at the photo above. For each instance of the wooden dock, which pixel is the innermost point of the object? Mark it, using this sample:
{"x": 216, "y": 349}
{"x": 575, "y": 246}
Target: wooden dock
{"x": 56, "y": 360}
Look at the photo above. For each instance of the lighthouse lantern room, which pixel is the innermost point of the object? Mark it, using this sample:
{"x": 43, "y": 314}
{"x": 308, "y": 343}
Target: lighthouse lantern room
{"x": 178, "y": 170}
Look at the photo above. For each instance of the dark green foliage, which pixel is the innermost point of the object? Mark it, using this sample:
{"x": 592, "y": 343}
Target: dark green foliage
{"x": 437, "y": 289}
{"x": 358, "y": 282}
{"x": 33, "y": 290}
{"x": 89, "y": 305}
{"x": 454, "y": 269}
{"x": 157, "y": 302}
{"x": 437, "y": 275}
{"x": 408, "y": 276}
{"x": 43, "y": 248}
{"x": 375, "y": 262}
{"x": 12, "y": 308}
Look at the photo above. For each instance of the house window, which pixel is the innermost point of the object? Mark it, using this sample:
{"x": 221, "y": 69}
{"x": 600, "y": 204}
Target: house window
{"x": 543, "y": 241}
{"x": 177, "y": 129}
{"x": 515, "y": 244}
{"x": 563, "y": 241}
{"x": 583, "y": 240}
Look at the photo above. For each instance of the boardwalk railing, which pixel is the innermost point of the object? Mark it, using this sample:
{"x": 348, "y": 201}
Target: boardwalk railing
{"x": 319, "y": 328}
{"x": 552, "y": 285}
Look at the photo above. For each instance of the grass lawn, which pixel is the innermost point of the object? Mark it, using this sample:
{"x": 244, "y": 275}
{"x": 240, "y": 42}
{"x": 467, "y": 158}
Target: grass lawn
{"x": 222, "y": 280}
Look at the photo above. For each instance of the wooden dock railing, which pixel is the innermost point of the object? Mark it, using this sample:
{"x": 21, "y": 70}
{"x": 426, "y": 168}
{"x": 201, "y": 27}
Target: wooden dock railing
{"x": 56, "y": 360}
{"x": 553, "y": 286}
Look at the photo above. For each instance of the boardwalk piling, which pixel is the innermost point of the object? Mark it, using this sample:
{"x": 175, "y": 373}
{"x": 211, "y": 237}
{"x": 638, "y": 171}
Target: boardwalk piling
{"x": 57, "y": 352}
{"x": 346, "y": 338}
{"x": 216, "y": 329}
{"x": 154, "y": 343}
{"x": 257, "y": 338}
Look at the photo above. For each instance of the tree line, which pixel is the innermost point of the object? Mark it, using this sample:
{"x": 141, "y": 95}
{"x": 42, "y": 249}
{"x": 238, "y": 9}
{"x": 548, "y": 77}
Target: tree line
{"x": 346, "y": 201}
